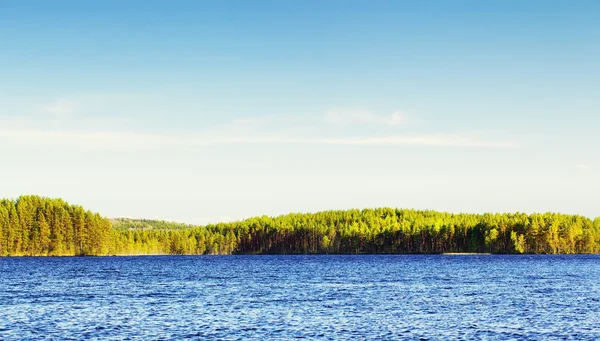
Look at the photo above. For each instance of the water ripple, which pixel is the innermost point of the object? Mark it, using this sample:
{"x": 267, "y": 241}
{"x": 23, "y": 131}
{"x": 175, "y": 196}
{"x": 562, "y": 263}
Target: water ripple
{"x": 301, "y": 297}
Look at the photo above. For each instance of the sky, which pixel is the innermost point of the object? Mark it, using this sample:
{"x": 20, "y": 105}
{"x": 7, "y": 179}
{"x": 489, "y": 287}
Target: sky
{"x": 208, "y": 111}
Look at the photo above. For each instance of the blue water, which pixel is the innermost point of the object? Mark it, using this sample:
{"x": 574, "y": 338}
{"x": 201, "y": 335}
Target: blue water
{"x": 312, "y": 297}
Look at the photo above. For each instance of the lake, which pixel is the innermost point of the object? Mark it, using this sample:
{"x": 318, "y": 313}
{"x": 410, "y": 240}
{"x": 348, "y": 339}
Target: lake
{"x": 328, "y": 297}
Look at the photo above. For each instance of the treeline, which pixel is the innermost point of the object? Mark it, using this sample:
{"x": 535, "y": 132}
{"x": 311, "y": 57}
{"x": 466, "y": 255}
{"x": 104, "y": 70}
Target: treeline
{"x": 33, "y": 225}
{"x": 382, "y": 230}
{"x": 36, "y": 226}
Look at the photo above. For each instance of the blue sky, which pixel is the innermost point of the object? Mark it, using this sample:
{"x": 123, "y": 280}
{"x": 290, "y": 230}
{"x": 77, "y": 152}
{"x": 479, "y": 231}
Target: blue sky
{"x": 206, "y": 111}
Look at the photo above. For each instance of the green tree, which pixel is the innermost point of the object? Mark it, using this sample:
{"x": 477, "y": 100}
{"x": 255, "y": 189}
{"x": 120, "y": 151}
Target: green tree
{"x": 4, "y": 225}
{"x": 44, "y": 230}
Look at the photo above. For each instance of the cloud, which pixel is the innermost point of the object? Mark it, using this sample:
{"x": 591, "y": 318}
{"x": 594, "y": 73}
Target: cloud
{"x": 122, "y": 140}
{"x": 99, "y": 105}
{"x": 396, "y": 118}
{"x": 61, "y": 108}
{"x": 582, "y": 167}
{"x": 350, "y": 117}
{"x": 243, "y": 122}
{"x": 433, "y": 140}
{"x": 115, "y": 133}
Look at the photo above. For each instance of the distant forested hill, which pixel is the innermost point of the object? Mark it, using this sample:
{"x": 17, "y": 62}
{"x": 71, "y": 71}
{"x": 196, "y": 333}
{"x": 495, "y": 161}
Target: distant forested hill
{"x": 32, "y": 225}
{"x": 147, "y": 224}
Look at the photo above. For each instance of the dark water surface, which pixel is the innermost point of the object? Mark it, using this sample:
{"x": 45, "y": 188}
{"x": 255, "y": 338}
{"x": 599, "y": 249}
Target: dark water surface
{"x": 312, "y": 297}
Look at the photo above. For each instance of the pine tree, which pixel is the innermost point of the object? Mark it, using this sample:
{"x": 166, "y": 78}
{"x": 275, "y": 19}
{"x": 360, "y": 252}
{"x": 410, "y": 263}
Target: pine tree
{"x": 4, "y": 221}
{"x": 44, "y": 231}
{"x": 14, "y": 235}
{"x": 79, "y": 236}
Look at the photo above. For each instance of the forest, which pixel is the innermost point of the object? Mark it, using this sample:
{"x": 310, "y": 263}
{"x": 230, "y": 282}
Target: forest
{"x": 38, "y": 226}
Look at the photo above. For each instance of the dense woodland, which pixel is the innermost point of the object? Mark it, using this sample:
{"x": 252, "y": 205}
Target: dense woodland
{"x": 32, "y": 225}
{"x": 36, "y": 226}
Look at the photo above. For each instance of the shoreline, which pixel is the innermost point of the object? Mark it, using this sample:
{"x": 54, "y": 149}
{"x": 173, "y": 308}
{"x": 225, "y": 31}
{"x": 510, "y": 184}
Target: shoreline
{"x": 308, "y": 254}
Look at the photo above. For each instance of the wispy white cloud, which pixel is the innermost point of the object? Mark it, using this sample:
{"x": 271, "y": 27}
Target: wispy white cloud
{"x": 349, "y": 117}
{"x": 243, "y": 122}
{"x": 582, "y": 167}
{"x": 433, "y": 140}
{"x": 141, "y": 140}
{"x": 116, "y": 133}
{"x": 61, "y": 107}
{"x": 97, "y": 104}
